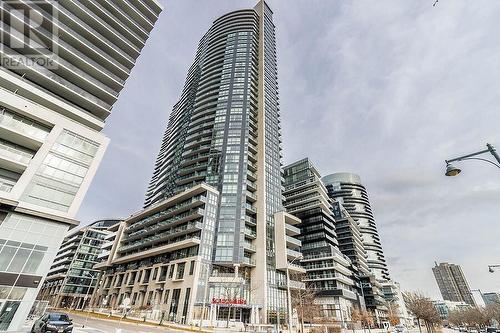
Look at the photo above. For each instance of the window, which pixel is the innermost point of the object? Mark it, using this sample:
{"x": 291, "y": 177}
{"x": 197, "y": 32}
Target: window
{"x": 191, "y": 267}
{"x": 17, "y": 257}
{"x": 163, "y": 273}
{"x": 167, "y": 292}
{"x": 180, "y": 271}
{"x": 171, "y": 273}
{"x": 59, "y": 178}
{"x": 6, "y": 256}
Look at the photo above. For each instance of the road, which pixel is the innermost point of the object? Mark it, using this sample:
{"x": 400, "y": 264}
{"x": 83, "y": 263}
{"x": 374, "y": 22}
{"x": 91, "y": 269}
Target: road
{"x": 94, "y": 325}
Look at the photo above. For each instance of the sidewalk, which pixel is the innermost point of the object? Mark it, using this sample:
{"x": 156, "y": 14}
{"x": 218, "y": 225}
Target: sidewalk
{"x": 132, "y": 320}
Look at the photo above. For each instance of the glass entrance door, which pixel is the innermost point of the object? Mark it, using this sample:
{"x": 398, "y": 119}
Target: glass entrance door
{"x": 7, "y": 311}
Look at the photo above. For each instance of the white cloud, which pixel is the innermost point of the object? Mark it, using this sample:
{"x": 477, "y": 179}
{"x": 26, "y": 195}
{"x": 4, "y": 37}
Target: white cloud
{"x": 386, "y": 89}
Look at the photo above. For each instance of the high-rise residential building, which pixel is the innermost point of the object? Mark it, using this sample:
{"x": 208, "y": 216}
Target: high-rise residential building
{"x": 375, "y": 300}
{"x": 72, "y": 276}
{"x": 452, "y": 283}
{"x": 348, "y": 190}
{"x": 349, "y": 237}
{"x": 63, "y": 64}
{"x": 328, "y": 269}
{"x": 224, "y": 132}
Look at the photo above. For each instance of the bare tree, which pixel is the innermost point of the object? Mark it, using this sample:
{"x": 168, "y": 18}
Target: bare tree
{"x": 423, "y": 309}
{"x": 474, "y": 316}
{"x": 367, "y": 319}
{"x": 303, "y": 301}
{"x": 393, "y": 313}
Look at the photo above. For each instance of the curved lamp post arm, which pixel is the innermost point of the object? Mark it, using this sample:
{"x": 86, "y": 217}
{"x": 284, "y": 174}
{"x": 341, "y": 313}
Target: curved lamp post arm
{"x": 453, "y": 171}
{"x": 481, "y": 159}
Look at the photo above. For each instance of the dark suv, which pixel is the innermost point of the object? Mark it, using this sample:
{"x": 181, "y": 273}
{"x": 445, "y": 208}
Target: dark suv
{"x": 53, "y": 323}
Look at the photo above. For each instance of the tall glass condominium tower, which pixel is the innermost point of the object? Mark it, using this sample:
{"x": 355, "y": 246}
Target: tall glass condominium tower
{"x": 225, "y": 131}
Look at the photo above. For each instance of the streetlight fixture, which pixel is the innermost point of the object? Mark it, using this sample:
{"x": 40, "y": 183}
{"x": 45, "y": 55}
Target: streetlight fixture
{"x": 87, "y": 273}
{"x": 289, "y": 294}
{"x": 452, "y": 170}
{"x": 490, "y": 268}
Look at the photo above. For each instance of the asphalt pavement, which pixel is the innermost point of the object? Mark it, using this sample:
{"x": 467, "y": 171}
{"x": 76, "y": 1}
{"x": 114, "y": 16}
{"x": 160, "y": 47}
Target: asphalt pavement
{"x": 96, "y": 325}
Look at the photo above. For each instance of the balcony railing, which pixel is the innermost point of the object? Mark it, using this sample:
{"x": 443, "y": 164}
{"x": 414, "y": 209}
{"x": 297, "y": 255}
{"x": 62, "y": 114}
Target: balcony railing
{"x": 248, "y": 261}
{"x": 22, "y": 125}
{"x": 13, "y": 153}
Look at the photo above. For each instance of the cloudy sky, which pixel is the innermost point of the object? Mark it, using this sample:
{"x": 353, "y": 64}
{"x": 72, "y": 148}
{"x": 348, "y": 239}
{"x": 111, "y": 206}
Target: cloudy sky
{"x": 385, "y": 89}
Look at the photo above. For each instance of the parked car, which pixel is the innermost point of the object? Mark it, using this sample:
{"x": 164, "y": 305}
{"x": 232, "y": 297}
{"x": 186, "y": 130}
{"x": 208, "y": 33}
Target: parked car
{"x": 53, "y": 323}
{"x": 462, "y": 329}
{"x": 491, "y": 330}
{"x": 400, "y": 329}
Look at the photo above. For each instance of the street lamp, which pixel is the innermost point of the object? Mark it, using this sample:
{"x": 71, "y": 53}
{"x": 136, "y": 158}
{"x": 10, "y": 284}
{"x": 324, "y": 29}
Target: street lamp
{"x": 490, "y": 268}
{"x": 452, "y": 170}
{"x": 289, "y": 294}
{"x": 87, "y": 273}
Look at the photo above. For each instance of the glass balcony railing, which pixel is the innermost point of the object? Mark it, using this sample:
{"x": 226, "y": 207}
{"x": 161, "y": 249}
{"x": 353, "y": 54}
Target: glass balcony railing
{"x": 293, "y": 253}
{"x": 249, "y": 246}
{"x": 22, "y": 125}
{"x": 248, "y": 261}
{"x": 250, "y": 232}
{"x": 6, "y": 185}
{"x": 13, "y": 153}
{"x": 146, "y": 221}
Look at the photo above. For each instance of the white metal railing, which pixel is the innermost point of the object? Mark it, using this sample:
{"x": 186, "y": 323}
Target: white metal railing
{"x": 22, "y": 125}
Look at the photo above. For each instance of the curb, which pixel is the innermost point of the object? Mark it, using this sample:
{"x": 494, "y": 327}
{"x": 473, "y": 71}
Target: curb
{"x": 135, "y": 321}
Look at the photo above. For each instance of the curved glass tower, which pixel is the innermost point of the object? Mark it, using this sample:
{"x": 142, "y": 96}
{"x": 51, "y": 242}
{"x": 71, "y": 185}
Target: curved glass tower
{"x": 350, "y": 192}
{"x": 225, "y": 131}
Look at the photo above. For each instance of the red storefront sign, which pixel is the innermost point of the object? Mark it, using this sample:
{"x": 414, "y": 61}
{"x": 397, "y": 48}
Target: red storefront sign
{"x": 236, "y": 301}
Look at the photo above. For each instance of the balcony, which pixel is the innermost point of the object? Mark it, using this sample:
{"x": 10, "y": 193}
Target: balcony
{"x": 295, "y": 267}
{"x": 252, "y": 166}
{"x": 21, "y": 130}
{"x": 252, "y": 186}
{"x": 249, "y": 247}
{"x": 250, "y": 220}
{"x": 187, "y": 242}
{"x": 248, "y": 261}
{"x": 297, "y": 284}
{"x": 250, "y": 233}
{"x": 291, "y": 230}
{"x": 163, "y": 236}
{"x": 251, "y": 196}
{"x": 218, "y": 277}
{"x": 251, "y": 209}
{"x": 293, "y": 254}
{"x": 293, "y": 243}
{"x": 14, "y": 158}
{"x": 6, "y": 185}
{"x": 252, "y": 176}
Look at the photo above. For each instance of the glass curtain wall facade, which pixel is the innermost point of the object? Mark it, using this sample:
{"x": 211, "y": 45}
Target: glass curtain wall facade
{"x": 72, "y": 276}
{"x": 62, "y": 67}
{"x": 225, "y": 131}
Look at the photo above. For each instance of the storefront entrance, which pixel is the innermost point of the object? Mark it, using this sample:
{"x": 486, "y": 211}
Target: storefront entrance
{"x": 7, "y": 311}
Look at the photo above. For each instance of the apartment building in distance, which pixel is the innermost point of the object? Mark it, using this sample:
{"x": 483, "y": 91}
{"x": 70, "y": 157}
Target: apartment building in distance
{"x": 60, "y": 75}
{"x": 491, "y": 298}
{"x": 72, "y": 276}
{"x": 328, "y": 270}
{"x": 452, "y": 283}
